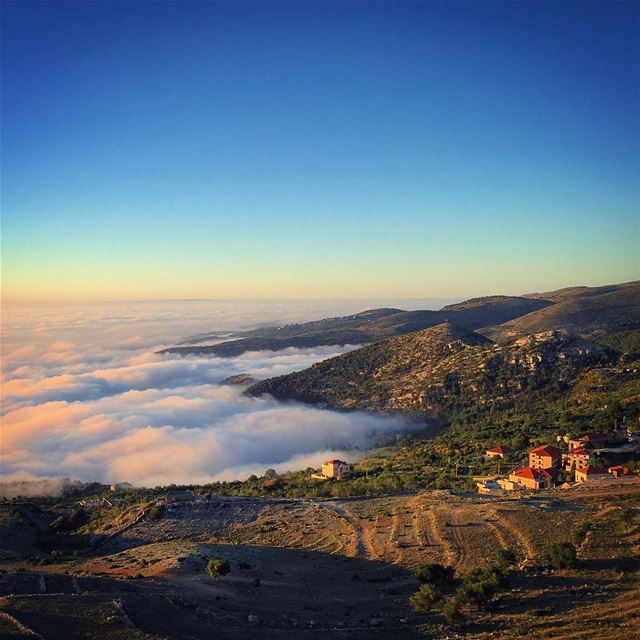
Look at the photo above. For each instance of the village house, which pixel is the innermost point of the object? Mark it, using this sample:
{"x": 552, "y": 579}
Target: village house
{"x": 621, "y": 472}
{"x": 545, "y": 457}
{"x": 530, "y": 478}
{"x": 590, "y": 472}
{"x": 573, "y": 442}
{"x": 499, "y": 452}
{"x": 334, "y": 468}
{"x": 595, "y": 440}
{"x": 575, "y": 458}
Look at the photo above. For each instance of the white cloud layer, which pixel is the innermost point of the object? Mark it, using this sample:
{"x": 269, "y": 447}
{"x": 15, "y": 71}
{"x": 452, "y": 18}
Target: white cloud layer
{"x": 86, "y": 397}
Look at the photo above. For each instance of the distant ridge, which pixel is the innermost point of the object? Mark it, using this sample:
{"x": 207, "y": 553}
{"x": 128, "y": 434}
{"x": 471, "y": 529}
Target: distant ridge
{"x": 592, "y": 312}
{"x": 367, "y": 326}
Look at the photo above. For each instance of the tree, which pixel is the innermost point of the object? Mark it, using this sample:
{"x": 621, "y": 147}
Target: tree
{"x": 424, "y": 599}
{"x": 433, "y": 573}
{"x": 519, "y": 442}
{"x": 561, "y": 555}
{"x": 270, "y": 473}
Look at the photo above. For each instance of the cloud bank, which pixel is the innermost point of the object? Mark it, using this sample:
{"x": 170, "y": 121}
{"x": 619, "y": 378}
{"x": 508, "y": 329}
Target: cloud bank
{"x": 86, "y": 397}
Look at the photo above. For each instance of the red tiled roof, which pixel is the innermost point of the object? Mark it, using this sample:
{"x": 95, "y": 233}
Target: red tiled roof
{"x": 593, "y": 471}
{"x": 501, "y": 449}
{"x": 579, "y": 452}
{"x": 535, "y": 474}
{"x": 619, "y": 470}
{"x": 546, "y": 450}
{"x": 597, "y": 435}
{"x": 334, "y": 462}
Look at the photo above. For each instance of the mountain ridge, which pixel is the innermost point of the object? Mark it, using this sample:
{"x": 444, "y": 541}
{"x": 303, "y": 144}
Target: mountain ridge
{"x": 440, "y": 370}
{"x": 590, "y": 311}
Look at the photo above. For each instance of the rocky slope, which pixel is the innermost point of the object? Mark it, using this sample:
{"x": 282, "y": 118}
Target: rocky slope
{"x": 439, "y": 370}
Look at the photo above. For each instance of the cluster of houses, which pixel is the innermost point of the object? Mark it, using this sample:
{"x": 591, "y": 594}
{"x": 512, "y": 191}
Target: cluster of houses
{"x": 546, "y": 464}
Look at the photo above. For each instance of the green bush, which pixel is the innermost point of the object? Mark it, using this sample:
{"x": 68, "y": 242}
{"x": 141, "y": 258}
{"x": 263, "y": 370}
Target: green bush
{"x": 217, "y": 568}
{"x": 424, "y": 599}
{"x": 561, "y": 555}
{"x": 481, "y": 584}
{"x": 433, "y": 573}
{"x": 505, "y": 559}
{"x": 451, "y": 612}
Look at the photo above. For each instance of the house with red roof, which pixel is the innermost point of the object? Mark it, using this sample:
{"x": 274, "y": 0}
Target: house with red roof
{"x": 334, "y": 468}
{"x": 532, "y": 478}
{"x": 545, "y": 457}
{"x": 500, "y": 451}
{"x": 621, "y": 472}
{"x": 591, "y": 440}
{"x": 576, "y": 458}
{"x": 595, "y": 440}
{"x": 584, "y": 474}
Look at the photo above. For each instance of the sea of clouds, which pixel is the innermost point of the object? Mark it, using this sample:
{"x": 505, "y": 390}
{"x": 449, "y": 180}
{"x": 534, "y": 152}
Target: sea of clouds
{"x": 85, "y": 396}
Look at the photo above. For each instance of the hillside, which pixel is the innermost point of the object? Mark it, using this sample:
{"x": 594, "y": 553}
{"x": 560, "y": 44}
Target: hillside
{"x": 440, "y": 370}
{"x": 345, "y": 568}
{"x": 366, "y": 327}
{"x": 593, "y": 313}
{"x": 574, "y": 293}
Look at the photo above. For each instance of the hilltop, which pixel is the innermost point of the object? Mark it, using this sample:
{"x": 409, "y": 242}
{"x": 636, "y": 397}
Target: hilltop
{"x": 593, "y": 312}
{"x": 366, "y": 327}
{"x": 441, "y": 370}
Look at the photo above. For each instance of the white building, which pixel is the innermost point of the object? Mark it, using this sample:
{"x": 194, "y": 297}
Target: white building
{"x": 334, "y": 468}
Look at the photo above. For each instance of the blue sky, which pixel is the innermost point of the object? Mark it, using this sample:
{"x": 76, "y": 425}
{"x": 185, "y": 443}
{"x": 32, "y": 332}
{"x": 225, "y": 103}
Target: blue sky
{"x": 303, "y": 150}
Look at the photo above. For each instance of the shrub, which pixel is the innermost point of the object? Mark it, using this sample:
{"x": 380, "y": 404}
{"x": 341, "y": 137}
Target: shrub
{"x": 433, "y": 573}
{"x": 580, "y": 533}
{"x": 561, "y": 555}
{"x": 217, "y": 568}
{"x": 505, "y": 559}
{"x": 451, "y": 613}
{"x": 480, "y": 585}
{"x": 424, "y": 599}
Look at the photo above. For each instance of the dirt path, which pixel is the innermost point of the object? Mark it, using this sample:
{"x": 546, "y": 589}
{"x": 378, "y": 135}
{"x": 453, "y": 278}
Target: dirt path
{"x": 447, "y": 550}
{"x": 456, "y": 523}
{"x": 418, "y": 532}
{"x": 364, "y": 546}
{"x": 523, "y": 540}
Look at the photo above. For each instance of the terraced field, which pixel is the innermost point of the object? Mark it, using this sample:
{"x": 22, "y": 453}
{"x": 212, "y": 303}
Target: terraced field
{"x": 300, "y": 567}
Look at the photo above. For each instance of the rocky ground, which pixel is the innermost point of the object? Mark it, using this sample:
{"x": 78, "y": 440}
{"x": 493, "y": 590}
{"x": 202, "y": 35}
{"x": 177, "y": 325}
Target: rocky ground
{"x": 301, "y": 568}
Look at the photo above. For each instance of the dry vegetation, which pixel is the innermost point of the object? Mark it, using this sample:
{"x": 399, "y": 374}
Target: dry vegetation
{"x": 300, "y": 567}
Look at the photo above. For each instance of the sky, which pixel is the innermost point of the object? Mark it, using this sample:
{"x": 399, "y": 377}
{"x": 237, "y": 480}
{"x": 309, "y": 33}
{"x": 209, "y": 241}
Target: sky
{"x": 159, "y": 150}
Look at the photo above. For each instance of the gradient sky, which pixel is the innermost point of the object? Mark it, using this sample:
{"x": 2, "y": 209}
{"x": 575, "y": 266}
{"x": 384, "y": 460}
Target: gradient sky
{"x": 305, "y": 150}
